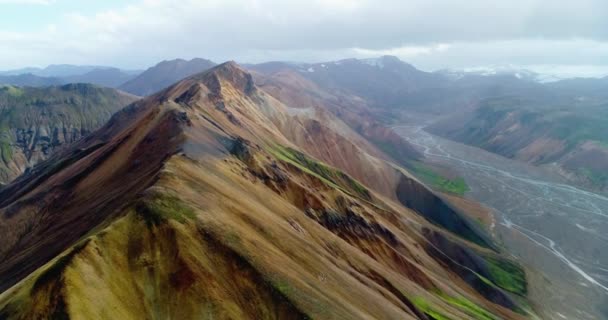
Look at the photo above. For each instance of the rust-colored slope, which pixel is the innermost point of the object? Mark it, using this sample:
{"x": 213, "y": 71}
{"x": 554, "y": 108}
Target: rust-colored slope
{"x": 291, "y": 88}
{"x": 65, "y": 198}
{"x": 196, "y": 203}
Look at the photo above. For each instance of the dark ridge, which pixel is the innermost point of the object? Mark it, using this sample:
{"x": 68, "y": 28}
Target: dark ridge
{"x": 469, "y": 266}
{"x": 40, "y": 173}
{"x": 55, "y": 271}
{"x": 415, "y": 196}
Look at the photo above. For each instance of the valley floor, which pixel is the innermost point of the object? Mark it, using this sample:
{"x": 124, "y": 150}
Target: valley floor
{"x": 553, "y": 227}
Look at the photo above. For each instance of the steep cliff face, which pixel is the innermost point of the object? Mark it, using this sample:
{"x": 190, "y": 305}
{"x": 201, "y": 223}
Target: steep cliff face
{"x": 199, "y": 202}
{"x": 36, "y": 122}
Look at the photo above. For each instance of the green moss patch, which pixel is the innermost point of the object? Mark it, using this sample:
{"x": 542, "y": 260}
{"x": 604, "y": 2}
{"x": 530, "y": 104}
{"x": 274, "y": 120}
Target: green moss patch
{"x": 6, "y": 151}
{"x": 11, "y": 91}
{"x": 318, "y": 169}
{"x": 507, "y": 275}
{"x": 459, "y": 302}
{"x": 469, "y": 307}
{"x": 456, "y": 186}
{"x": 428, "y": 309}
{"x": 162, "y": 208}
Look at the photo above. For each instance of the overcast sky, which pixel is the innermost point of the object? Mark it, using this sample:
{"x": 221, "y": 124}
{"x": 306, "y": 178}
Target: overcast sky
{"x": 557, "y": 36}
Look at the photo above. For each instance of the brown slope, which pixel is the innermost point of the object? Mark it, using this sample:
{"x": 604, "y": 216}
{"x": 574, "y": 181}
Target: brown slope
{"x": 291, "y": 88}
{"x": 348, "y": 147}
{"x": 192, "y": 203}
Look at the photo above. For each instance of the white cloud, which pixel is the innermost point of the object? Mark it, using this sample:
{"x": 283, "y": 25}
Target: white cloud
{"x": 404, "y": 52}
{"x": 533, "y": 51}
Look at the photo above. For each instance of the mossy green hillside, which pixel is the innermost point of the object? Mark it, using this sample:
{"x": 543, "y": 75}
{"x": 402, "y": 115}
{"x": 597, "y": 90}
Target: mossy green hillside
{"x": 425, "y": 173}
{"x": 469, "y": 307}
{"x": 161, "y": 208}
{"x": 507, "y": 275}
{"x": 428, "y": 309}
{"x": 326, "y": 173}
{"x": 5, "y": 150}
{"x": 463, "y": 304}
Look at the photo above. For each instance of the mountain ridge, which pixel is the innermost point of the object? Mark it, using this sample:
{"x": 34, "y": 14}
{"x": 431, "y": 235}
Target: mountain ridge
{"x": 202, "y": 173}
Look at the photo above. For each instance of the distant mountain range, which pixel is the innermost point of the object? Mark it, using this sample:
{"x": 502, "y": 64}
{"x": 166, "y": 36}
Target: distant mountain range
{"x": 133, "y": 81}
{"x": 107, "y": 77}
{"x": 64, "y": 74}
{"x": 29, "y": 80}
{"x": 62, "y": 70}
{"x": 164, "y": 74}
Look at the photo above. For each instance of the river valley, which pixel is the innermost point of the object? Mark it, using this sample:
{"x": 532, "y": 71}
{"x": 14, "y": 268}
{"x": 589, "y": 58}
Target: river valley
{"x": 550, "y": 226}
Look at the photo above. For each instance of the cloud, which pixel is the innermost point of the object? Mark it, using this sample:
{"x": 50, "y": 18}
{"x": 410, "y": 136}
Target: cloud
{"x": 404, "y": 52}
{"x": 561, "y": 58}
{"x": 429, "y": 33}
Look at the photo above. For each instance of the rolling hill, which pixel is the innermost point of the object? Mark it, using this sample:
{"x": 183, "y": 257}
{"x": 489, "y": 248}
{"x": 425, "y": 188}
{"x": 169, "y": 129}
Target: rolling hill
{"x": 35, "y": 122}
{"x": 29, "y": 80}
{"x": 568, "y": 131}
{"x": 65, "y": 74}
{"x": 106, "y": 77}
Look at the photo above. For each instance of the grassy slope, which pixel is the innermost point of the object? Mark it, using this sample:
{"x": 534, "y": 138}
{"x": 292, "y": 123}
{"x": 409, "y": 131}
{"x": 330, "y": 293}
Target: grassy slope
{"x": 456, "y": 186}
{"x": 335, "y": 177}
{"x": 507, "y": 275}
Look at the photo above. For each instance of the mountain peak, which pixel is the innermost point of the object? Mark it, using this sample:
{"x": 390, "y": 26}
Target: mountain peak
{"x": 393, "y": 61}
{"x": 228, "y": 67}
{"x": 228, "y": 71}
{"x": 389, "y": 58}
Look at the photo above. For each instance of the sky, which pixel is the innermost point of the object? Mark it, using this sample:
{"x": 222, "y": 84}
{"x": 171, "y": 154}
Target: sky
{"x": 565, "y": 38}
